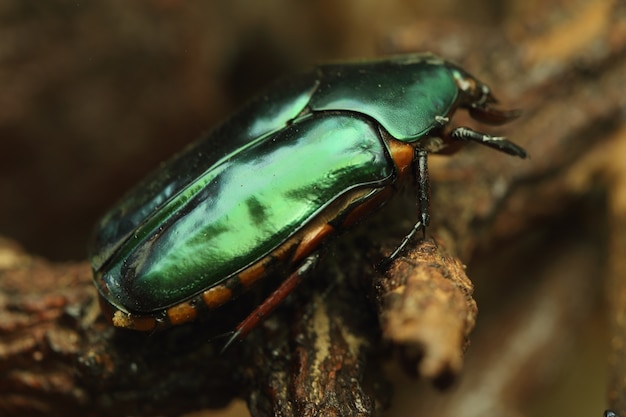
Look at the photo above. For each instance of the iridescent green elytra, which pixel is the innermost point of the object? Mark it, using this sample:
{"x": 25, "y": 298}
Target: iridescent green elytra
{"x": 269, "y": 185}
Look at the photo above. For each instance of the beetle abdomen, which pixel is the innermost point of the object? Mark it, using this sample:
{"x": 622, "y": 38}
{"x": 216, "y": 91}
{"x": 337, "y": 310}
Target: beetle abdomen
{"x": 245, "y": 207}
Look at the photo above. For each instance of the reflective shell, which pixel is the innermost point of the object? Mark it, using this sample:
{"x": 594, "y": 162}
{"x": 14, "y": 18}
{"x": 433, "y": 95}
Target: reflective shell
{"x": 232, "y": 198}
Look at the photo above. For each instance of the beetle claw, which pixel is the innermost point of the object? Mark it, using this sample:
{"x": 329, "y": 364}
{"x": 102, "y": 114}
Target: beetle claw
{"x": 232, "y": 336}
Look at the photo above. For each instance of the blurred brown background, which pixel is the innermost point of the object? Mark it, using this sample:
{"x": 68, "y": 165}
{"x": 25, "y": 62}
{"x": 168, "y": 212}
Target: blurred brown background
{"x": 96, "y": 94}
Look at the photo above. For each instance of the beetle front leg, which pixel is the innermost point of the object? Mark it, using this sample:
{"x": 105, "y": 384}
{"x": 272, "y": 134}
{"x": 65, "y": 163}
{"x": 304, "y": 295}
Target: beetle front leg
{"x": 423, "y": 186}
{"x": 497, "y": 142}
{"x": 273, "y": 300}
{"x": 420, "y": 168}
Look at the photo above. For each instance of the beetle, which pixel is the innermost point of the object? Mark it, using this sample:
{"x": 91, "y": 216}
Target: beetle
{"x": 264, "y": 191}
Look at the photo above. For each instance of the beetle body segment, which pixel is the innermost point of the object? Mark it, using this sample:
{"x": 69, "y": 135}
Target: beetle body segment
{"x": 255, "y": 202}
{"x": 270, "y": 185}
{"x": 406, "y": 96}
{"x": 262, "y": 116}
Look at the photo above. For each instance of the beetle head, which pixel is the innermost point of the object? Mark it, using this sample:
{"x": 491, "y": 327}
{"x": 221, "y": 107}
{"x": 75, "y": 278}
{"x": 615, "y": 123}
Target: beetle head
{"x": 474, "y": 92}
{"x": 476, "y": 96}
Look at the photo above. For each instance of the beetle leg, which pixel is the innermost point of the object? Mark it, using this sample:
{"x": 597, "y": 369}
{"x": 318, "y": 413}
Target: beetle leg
{"x": 384, "y": 264}
{"x": 423, "y": 194}
{"x": 497, "y": 142}
{"x": 273, "y": 300}
{"x": 423, "y": 185}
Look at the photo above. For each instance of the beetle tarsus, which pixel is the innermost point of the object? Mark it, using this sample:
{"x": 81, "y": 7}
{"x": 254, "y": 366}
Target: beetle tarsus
{"x": 383, "y": 265}
{"x": 496, "y": 142}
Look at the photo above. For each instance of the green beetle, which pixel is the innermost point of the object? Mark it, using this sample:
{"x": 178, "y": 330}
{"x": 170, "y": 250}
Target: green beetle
{"x": 265, "y": 190}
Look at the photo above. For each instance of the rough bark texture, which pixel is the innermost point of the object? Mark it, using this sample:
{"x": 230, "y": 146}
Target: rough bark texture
{"x": 427, "y": 311}
{"x": 542, "y": 236}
